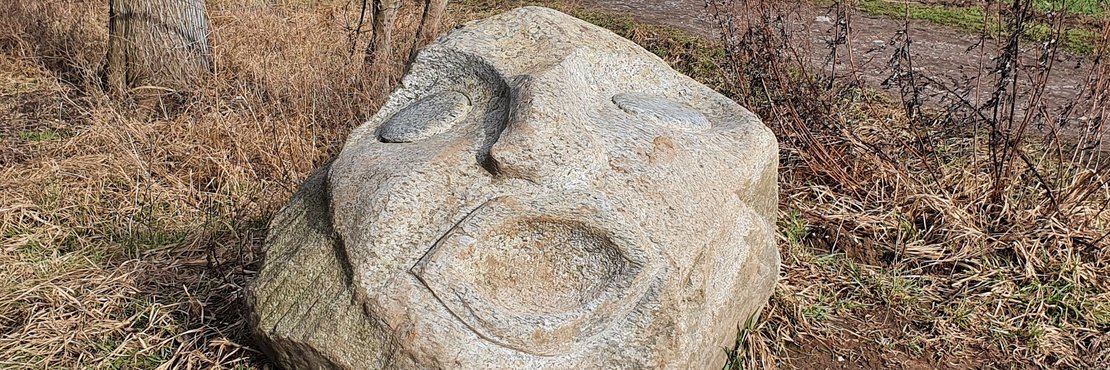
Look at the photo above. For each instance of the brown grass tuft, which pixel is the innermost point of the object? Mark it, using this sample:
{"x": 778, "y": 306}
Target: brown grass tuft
{"x": 128, "y": 228}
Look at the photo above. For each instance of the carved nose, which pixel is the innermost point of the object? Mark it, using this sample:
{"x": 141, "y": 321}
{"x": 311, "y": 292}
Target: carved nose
{"x": 548, "y": 138}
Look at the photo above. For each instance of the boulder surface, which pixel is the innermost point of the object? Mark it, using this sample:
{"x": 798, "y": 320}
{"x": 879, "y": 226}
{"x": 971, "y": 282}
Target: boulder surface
{"x": 538, "y": 193}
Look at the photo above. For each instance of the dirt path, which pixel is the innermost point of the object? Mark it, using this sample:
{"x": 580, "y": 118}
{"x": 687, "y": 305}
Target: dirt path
{"x": 942, "y": 53}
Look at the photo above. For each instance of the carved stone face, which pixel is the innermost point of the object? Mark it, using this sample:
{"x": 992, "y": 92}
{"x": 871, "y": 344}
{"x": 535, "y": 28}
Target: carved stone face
{"x": 542, "y": 193}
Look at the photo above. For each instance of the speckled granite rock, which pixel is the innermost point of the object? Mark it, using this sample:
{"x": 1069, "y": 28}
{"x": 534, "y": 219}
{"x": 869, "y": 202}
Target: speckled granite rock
{"x": 539, "y": 193}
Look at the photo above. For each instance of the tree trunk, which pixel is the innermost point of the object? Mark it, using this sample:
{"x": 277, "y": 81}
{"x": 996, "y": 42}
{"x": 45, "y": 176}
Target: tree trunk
{"x": 161, "y": 43}
{"x": 381, "y": 47}
{"x": 429, "y": 24}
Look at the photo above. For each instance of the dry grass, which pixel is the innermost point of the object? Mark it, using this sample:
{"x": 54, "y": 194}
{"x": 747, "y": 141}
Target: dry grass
{"x": 128, "y": 233}
{"x": 906, "y": 261}
{"x": 129, "y": 228}
{"x": 947, "y": 236}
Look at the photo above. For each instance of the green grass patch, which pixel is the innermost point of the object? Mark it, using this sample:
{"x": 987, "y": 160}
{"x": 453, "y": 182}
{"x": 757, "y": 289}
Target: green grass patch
{"x": 794, "y": 227}
{"x": 46, "y": 134}
{"x": 1093, "y": 8}
{"x": 108, "y": 350}
{"x": 965, "y": 18}
{"x": 973, "y": 19}
{"x": 894, "y": 288}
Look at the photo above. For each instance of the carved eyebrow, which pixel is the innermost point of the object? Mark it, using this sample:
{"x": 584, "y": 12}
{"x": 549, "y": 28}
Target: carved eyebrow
{"x": 661, "y": 110}
{"x": 430, "y": 115}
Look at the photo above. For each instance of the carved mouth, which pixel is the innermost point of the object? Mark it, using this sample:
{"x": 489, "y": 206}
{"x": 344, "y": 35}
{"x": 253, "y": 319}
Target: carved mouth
{"x": 539, "y": 275}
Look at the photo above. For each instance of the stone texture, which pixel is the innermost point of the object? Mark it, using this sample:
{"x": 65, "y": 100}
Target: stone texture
{"x": 538, "y": 193}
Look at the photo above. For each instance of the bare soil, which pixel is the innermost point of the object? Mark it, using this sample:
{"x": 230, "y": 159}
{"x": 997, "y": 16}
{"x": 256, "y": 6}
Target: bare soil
{"x": 952, "y": 57}
{"x": 879, "y": 341}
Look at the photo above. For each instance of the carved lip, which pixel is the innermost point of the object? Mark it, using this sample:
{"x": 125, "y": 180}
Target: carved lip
{"x": 541, "y": 275}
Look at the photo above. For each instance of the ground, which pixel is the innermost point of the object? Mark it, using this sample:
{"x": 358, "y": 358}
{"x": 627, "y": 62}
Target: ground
{"x": 948, "y": 54}
{"x": 941, "y": 239}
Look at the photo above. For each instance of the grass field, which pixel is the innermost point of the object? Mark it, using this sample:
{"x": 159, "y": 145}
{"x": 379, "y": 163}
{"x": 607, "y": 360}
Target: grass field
{"x": 128, "y": 229}
{"x": 1092, "y": 8}
{"x": 1077, "y": 37}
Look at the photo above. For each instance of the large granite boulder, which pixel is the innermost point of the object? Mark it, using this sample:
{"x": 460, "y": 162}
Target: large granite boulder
{"x": 538, "y": 193}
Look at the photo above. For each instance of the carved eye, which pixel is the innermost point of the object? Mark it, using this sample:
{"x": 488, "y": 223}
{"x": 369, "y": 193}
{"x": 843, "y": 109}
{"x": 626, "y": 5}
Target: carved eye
{"x": 431, "y": 115}
{"x": 537, "y": 277}
{"x": 661, "y": 111}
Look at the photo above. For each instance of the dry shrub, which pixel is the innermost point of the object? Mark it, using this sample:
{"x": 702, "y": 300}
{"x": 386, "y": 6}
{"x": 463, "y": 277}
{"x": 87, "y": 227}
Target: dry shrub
{"x": 935, "y": 230}
{"x": 128, "y": 228}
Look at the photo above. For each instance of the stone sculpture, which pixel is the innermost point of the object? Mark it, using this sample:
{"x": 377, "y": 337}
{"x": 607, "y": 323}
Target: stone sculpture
{"x": 538, "y": 193}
